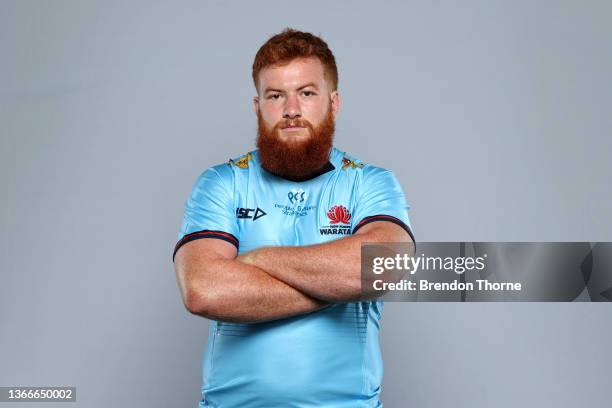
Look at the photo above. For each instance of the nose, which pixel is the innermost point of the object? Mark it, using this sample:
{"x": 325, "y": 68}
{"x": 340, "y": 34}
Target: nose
{"x": 292, "y": 108}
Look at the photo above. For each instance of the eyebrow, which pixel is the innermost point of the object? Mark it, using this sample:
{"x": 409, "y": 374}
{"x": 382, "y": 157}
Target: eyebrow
{"x": 312, "y": 84}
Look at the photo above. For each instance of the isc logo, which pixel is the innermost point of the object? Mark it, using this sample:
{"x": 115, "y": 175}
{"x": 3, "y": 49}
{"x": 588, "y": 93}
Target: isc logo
{"x": 250, "y": 213}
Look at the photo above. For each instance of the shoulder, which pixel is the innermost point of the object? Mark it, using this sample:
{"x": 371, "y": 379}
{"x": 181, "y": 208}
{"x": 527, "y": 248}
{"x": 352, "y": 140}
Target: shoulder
{"x": 344, "y": 161}
{"x": 347, "y": 162}
{"x": 223, "y": 175}
{"x": 243, "y": 161}
{"x": 226, "y": 172}
{"x": 367, "y": 178}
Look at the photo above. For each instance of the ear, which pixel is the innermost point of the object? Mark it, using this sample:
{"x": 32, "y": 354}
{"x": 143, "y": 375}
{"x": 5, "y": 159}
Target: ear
{"x": 336, "y": 102}
{"x": 256, "y": 105}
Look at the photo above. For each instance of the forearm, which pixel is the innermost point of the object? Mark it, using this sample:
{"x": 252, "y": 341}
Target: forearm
{"x": 228, "y": 290}
{"x": 330, "y": 271}
{"x": 324, "y": 271}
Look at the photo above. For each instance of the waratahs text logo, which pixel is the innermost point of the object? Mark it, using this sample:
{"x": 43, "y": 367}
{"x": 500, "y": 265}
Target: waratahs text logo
{"x": 338, "y": 214}
{"x": 339, "y": 221}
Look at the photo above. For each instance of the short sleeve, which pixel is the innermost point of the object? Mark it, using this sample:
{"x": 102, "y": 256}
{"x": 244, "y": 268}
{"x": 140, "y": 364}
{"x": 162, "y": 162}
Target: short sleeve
{"x": 209, "y": 211}
{"x": 381, "y": 198}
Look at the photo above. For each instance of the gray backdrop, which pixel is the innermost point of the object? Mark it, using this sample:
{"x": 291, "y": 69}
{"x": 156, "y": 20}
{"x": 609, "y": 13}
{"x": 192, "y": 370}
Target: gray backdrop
{"x": 495, "y": 116}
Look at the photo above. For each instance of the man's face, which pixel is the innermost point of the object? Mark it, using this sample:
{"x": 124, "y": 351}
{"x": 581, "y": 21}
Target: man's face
{"x": 296, "y": 110}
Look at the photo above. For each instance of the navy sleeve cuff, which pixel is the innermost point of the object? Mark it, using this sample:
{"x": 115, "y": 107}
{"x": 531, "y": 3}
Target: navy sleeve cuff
{"x": 382, "y": 217}
{"x": 225, "y": 236}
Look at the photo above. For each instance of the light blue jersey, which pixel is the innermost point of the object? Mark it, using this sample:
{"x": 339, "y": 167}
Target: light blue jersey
{"x": 327, "y": 358}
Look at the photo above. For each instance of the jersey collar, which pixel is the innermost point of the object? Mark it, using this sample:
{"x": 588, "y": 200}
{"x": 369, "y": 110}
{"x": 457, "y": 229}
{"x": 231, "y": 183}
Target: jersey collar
{"x": 327, "y": 167}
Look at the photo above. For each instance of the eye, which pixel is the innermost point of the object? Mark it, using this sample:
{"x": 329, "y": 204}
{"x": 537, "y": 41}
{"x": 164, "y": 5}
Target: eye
{"x": 308, "y": 93}
{"x": 273, "y": 96}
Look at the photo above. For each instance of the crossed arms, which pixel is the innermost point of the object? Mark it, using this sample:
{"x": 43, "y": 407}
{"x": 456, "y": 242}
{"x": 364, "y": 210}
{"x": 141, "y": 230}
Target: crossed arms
{"x": 274, "y": 282}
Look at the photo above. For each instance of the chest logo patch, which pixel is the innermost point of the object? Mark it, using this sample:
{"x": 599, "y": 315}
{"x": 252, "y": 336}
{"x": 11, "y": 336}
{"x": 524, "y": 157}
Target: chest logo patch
{"x": 339, "y": 221}
{"x": 338, "y": 214}
{"x": 297, "y": 196}
{"x": 297, "y": 207}
{"x": 249, "y": 213}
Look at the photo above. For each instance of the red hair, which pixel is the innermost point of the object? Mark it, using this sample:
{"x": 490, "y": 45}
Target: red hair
{"x": 290, "y": 44}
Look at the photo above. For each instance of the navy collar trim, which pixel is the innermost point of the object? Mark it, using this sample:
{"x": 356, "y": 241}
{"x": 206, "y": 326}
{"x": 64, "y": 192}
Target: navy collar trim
{"x": 326, "y": 168}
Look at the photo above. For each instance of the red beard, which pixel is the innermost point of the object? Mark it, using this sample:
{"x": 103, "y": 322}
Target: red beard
{"x": 295, "y": 161}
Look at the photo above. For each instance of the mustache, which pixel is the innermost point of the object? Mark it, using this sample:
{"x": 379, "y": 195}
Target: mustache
{"x": 293, "y": 123}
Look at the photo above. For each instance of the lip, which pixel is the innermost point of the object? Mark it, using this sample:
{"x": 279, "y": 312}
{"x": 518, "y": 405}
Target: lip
{"x": 293, "y": 128}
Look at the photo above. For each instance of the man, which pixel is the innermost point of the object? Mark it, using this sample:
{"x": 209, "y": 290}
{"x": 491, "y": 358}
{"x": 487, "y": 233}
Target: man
{"x": 290, "y": 326}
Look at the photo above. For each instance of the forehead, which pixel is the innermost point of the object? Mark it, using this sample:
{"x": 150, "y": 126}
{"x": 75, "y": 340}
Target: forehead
{"x": 293, "y": 75}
